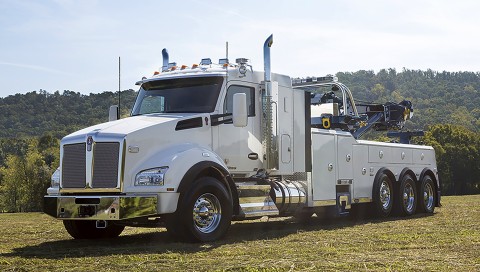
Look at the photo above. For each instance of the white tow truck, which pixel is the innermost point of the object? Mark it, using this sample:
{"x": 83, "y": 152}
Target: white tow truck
{"x": 212, "y": 143}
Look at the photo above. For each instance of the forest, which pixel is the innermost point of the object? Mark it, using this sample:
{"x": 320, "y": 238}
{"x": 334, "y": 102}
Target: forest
{"x": 446, "y": 107}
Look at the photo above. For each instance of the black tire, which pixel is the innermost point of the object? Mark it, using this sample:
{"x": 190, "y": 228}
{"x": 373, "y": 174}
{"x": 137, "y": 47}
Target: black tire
{"x": 203, "y": 214}
{"x": 86, "y": 229}
{"x": 426, "y": 195}
{"x": 406, "y": 197}
{"x": 382, "y": 195}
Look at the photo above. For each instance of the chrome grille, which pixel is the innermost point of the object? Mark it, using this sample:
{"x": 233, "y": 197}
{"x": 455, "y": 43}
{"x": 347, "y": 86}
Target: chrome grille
{"x": 105, "y": 165}
{"x": 74, "y": 166}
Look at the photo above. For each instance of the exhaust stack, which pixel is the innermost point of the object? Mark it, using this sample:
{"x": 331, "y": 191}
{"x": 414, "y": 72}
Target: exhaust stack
{"x": 269, "y": 125}
{"x": 165, "y": 59}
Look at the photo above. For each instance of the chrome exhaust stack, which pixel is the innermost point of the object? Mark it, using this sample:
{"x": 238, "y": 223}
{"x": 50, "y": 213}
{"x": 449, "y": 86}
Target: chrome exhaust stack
{"x": 165, "y": 59}
{"x": 269, "y": 140}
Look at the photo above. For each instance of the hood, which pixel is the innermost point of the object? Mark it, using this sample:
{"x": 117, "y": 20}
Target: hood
{"x": 129, "y": 125}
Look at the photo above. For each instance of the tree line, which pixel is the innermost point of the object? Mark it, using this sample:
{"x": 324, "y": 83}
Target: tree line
{"x": 446, "y": 106}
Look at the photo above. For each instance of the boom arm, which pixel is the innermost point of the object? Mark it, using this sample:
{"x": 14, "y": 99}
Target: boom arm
{"x": 380, "y": 117}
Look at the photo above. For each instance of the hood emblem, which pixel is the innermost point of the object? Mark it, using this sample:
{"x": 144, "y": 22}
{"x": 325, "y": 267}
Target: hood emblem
{"x": 89, "y": 143}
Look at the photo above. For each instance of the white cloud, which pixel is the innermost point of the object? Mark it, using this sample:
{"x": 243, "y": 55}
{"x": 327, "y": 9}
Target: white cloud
{"x": 34, "y": 67}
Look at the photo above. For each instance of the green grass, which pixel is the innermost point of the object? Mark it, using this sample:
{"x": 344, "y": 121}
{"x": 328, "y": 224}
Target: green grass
{"x": 449, "y": 240}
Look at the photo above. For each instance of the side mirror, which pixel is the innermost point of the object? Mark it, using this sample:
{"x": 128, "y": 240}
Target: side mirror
{"x": 113, "y": 113}
{"x": 240, "y": 114}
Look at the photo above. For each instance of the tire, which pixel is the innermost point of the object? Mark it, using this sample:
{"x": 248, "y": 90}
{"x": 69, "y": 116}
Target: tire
{"x": 382, "y": 195}
{"x": 203, "y": 214}
{"x": 426, "y": 195}
{"x": 86, "y": 229}
{"x": 406, "y": 196}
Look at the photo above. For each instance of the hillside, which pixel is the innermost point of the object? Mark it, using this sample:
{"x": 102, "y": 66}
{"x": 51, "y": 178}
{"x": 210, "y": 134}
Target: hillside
{"x": 37, "y": 113}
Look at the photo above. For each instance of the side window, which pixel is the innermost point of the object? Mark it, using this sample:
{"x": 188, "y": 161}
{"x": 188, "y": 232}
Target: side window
{"x": 249, "y": 91}
{"x": 153, "y": 104}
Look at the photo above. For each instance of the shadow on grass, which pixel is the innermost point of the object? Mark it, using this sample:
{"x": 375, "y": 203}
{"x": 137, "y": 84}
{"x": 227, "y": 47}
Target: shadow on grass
{"x": 160, "y": 242}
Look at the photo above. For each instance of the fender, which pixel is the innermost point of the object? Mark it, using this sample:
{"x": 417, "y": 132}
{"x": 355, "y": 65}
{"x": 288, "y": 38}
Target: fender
{"x": 185, "y": 162}
{"x": 213, "y": 169}
{"x": 408, "y": 171}
{"x": 178, "y": 158}
{"x": 388, "y": 173}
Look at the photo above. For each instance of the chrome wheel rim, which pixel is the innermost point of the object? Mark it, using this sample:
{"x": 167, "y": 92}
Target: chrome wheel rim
{"x": 428, "y": 196}
{"x": 385, "y": 195}
{"x": 408, "y": 197}
{"x": 207, "y": 213}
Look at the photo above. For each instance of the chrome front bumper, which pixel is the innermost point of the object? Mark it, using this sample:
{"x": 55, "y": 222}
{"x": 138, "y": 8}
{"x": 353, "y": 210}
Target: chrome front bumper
{"x": 100, "y": 207}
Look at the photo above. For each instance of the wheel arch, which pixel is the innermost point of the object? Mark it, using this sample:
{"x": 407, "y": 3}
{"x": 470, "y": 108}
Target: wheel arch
{"x": 386, "y": 171}
{"x": 408, "y": 171}
{"x": 214, "y": 170}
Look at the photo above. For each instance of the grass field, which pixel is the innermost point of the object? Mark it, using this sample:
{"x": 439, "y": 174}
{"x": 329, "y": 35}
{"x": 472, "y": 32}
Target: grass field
{"x": 449, "y": 240}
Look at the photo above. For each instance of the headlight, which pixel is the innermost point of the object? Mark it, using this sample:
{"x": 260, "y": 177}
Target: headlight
{"x": 56, "y": 178}
{"x": 154, "y": 176}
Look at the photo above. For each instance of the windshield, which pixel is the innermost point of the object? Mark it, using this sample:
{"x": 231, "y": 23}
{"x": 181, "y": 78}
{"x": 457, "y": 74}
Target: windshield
{"x": 179, "y": 95}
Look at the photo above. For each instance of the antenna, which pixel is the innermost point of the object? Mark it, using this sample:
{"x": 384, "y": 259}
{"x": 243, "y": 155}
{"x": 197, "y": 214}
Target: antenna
{"x": 118, "y": 110}
{"x": 228, "y": 63}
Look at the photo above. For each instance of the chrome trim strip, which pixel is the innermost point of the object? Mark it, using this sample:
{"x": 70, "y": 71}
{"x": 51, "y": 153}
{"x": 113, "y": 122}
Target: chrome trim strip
{"x": 320, "y": 203}
{"x": 89, "y": 190}
{"x": 362, "y": 200}
{"x": 89, "y": 162}
{"x": 121, "y": 171}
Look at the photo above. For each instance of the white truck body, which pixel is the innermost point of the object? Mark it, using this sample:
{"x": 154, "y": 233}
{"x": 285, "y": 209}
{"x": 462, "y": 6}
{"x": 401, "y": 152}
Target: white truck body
{"x": 145, "y": 167}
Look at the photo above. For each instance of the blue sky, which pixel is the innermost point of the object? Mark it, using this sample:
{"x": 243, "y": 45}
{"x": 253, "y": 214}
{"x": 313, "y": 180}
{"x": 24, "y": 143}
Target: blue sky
{"x": 74, "y": 45}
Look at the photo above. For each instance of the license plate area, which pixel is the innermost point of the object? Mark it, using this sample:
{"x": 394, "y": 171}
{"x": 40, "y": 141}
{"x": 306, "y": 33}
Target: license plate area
{"x": 87, "y": 210}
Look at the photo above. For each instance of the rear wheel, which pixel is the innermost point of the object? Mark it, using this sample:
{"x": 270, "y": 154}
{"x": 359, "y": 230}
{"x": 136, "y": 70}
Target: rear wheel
{"x": 203, "y": 214}
{"x": 382, "y": 195}
{"x": 426, "y": 195}
{"x": 87, "y": 229}
{"x": 406, "y": 203}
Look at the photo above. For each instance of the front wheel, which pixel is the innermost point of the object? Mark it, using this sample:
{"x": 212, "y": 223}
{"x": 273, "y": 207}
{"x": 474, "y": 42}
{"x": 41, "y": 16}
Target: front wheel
{"x": 203, "y": 214}
{"x": 87, "y": 229}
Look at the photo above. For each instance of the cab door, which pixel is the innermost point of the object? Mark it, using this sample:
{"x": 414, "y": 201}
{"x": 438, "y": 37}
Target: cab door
{"x": 240, "y": 147}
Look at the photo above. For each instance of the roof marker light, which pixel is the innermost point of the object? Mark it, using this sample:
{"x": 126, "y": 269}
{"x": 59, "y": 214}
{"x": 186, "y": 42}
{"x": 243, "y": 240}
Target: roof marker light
{"x": 206, "y": 61}
{"x": 194, "y": 66}
{"x": 156, "y": 73}
{"x": 183, "y": 67}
